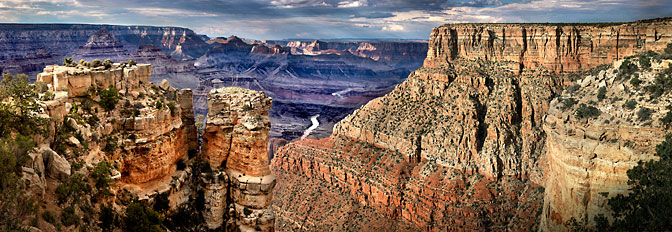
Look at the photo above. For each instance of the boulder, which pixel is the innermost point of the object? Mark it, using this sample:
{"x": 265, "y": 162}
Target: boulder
{"x": 56, "y": 166}
{"x": 165, "y": 85}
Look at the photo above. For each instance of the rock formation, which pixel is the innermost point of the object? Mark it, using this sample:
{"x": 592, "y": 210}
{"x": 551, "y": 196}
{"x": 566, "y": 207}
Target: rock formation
{"x": 101, "y": 45}
{"x": 559, "y": 47}
{"x": 462, "y": 144}
{"x": 588, "y": 157}
{"x": 77, "y": 80}
{"x": 235, "y": 141}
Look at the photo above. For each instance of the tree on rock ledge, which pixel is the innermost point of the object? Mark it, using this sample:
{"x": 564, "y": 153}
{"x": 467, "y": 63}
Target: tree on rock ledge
{"x": 647, "y": 207}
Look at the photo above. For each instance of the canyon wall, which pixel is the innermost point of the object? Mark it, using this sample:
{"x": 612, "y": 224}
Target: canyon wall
{"x": 588, "y": 157}
{"x": 463, "y": 143}
{"x": 559, "y": 47}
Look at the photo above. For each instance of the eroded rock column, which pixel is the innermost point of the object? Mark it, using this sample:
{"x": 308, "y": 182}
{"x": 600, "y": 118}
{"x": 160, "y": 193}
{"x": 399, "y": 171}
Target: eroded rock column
{"x": 235, "y": 141}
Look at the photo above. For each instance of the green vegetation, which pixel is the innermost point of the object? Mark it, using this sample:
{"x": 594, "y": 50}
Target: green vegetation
{"x": 109, "y": 98}
{"x": 161, "y": 202}
{"x": 111, "y": 144}
{"x": 585, "y": 111}
{"x": 662, "y": 84}
{"x": 630, "y": 104}
{"x": 71, "y": 191}
{"x": 101, "y": 176}
{"x": 626, "y": 70}
{"x": 107, "y": 218}
{"x": 68, "y": 216}
{"x": 644, "y": 114}
{"x": 601, "y": 93}
{"x": 141, "y": 218}
{"x": 171, "y": 106}
{"x": 17, "y": 125}
{"x": 635, "y": 81}
{"x": 647, "y": 205}
{"x": 567, "y": 103}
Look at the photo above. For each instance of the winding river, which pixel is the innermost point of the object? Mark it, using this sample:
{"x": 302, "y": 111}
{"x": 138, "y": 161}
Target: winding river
{"x": 310, "y": 129}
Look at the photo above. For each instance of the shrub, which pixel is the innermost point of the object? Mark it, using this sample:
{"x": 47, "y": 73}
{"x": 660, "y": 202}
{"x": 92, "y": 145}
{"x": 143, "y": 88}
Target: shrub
{"x": 585, "y": 111}
{"x": 109, "y": 98}
{"x": 644, "y": 114}
{"x": 107, "y": 217}
{"x": 667, "y": 120}
{"x": 635, "y": 81}
{"x": 107, "y": 63}
{"x": 171, "y": 106}
{"x": 131, "y": 62}
{"x": 68, "y": 217}
{"x": 68, "y": 61}
{"x": 567, "y": 103}
{"x": 48, "y": 96}
{"x": 601, "y": 93}
{"x": 140, "y": 218}
{"x": 41, "y": 86}
{"x": 110, "y": 144}
{"x": 247, "y": 211}
{"x": 101, "y": 175}
{"x": 73, "y": 189}
{"x": 87, "y": 105}
{"x": 630, "y": 104}
{"x": 573, "y": 88}
{"x": 161, "y": 202}
{"x": 645, "y": 62}
{"x": 96, "y": 63}
{"x": 626, "y": 70}
{"x": 49, "y": 216}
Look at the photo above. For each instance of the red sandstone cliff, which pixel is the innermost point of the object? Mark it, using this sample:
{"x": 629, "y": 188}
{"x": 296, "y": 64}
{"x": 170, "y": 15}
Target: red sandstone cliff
{"x": 460, "y": 145}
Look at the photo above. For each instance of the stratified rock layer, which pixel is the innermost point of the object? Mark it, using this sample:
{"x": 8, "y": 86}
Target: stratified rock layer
{"x": 588, "y": 158}
{"x": 461, "y": 145}
{"x": 236, "y": 142}
{"x": 559, "y": 47}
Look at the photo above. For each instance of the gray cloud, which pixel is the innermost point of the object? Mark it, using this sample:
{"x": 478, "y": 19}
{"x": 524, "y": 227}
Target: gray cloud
{"x": 276, "y": 19}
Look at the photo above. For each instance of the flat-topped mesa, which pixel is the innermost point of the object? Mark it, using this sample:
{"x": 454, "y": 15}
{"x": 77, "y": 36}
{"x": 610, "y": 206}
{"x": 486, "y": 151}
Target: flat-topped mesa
{"x": 78, "y": 80}
{"x": 236, "y": 141}
{"x": 560, "y": 47}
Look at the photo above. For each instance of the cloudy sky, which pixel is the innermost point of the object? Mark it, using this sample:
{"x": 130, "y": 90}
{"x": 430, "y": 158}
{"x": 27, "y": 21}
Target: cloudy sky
{"x": 278, "y": 19}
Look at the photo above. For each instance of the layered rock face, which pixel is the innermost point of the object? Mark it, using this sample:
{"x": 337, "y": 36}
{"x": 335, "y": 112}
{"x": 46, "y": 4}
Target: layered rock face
{"x": 101, "y": 45}
{"x": 77, "y": 80}
{"x": 559, "y": 47}
{"x": 588, "y": 158}
{"x": 17, "y": 40}
{"x": 235, "y": 141}
{"x": 462, "y": 144}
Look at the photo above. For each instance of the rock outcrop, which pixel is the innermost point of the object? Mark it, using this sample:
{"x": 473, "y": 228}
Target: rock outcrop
{"x": 588, "y": 157}
{"x": 559, "y": 47}
{"x": 235, "y": 142}
{"x": 78, "y": 80}
{"x": 462, "y": 144}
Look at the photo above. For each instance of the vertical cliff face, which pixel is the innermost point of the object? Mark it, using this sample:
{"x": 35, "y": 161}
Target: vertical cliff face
{"x": 462, "y": 144}
{"x": 235, "y": 142}
{"x": 588, "y": 157}
{"x": 561, "y": 47}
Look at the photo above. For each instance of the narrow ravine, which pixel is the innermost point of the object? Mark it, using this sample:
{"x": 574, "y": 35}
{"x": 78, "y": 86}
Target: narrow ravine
{"x": 310, "y": 129}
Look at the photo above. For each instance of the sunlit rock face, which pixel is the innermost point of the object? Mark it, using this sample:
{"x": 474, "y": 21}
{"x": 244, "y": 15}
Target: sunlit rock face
{"x": 235, "y": 143}
{"x": 467, "y": 142}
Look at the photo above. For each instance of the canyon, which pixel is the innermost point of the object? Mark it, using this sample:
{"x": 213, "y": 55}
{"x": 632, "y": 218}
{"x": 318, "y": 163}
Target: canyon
{"x": 146, "y": 134}
{"x": 480, "y": 138}
{"x": 301, "y": 76}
